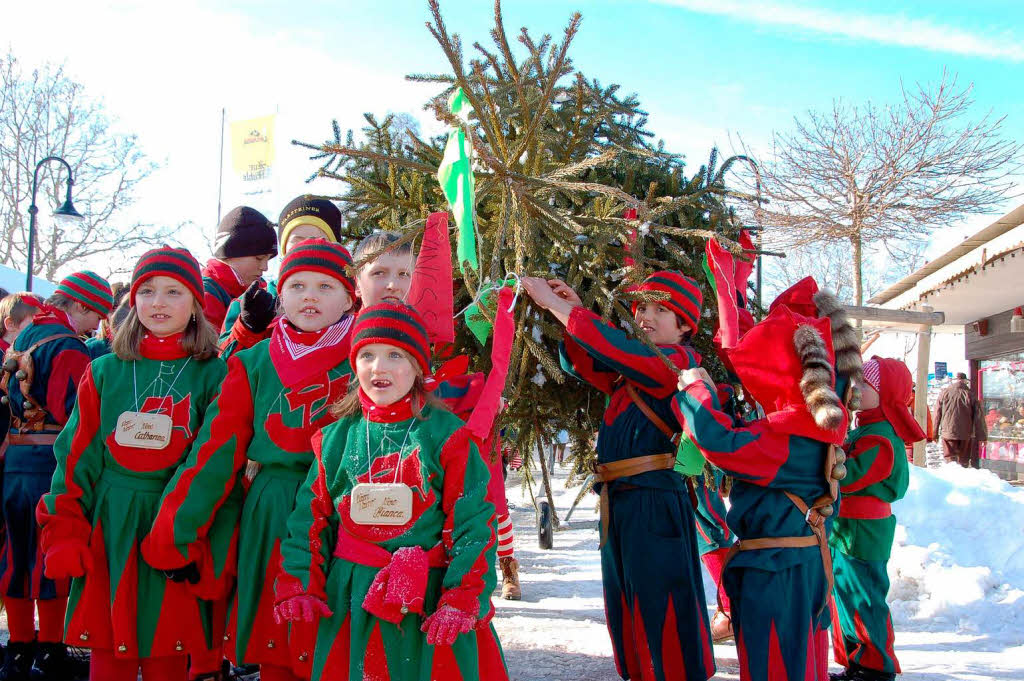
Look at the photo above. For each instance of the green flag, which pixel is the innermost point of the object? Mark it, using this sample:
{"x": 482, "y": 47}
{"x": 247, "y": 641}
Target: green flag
{"x": 456, "y": 177}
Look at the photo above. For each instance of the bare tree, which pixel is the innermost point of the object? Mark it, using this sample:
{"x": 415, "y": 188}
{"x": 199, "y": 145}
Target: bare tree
{"x": 864, "y": 176}
{"x": 43, "y": 113}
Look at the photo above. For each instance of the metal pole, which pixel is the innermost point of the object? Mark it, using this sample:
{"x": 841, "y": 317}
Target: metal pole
{"x": 220, "y": 174}
{"x": 33, "y": 209}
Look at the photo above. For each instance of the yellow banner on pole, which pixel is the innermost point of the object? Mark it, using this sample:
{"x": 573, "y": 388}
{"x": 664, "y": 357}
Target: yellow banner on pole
{"x": 252, "y": 149}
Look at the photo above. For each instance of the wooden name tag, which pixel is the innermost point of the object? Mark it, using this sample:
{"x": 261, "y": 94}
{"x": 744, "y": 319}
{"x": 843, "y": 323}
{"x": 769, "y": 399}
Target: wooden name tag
{"x": 381, "y": 504}
{"x": 146, "y": 431}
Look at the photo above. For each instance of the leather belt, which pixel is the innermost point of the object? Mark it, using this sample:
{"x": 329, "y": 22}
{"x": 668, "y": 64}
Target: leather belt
{"x": 613, "y": 470}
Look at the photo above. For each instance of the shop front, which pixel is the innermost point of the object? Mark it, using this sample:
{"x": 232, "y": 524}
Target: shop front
{"x": 996, "y": 353}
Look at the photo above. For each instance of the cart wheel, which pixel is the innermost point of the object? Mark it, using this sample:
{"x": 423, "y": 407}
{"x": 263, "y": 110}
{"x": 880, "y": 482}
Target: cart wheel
{"x": 545, "y": 526}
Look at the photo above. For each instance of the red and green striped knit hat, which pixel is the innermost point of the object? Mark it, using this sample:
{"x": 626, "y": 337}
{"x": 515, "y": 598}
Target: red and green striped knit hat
{"x": 176, "y": 263}
{"x": 89, "y": 289}
{"x": 684, "y": 296}
{"x": 395, "y": 324}
{"x": 318, "y": 255}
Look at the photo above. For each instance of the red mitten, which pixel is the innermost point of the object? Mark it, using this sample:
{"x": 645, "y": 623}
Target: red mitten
{"x": 445, "y": 625}
{"x": 302, "y": 608}
{"x": 67, "y": 559}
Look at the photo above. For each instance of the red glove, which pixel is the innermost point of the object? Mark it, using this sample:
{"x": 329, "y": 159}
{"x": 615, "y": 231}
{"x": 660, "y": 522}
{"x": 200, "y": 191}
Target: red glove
{"x": 445, "y": 625}
{"x": 301, "y": 608}
{"x": 67, "y": 559}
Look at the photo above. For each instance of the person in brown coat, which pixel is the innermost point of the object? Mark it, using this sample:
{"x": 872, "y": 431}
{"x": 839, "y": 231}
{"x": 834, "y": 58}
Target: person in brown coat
{"x": 960, "y": 423}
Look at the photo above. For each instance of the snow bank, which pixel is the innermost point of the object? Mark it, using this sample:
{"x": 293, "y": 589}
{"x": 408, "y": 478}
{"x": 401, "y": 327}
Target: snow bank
{"x": 958, "y": 559}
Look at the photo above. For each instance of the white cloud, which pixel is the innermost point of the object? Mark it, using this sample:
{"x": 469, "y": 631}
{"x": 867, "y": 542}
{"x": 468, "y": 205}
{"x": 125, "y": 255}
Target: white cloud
{"x": 887, "y": 29}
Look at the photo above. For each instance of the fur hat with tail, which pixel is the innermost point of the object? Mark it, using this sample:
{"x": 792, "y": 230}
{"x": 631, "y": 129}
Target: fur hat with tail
{"x": 816, "y": 381}
{"x": 845, "y": 344}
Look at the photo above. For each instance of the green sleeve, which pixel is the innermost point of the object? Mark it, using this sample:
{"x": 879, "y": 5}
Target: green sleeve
{"x": 64, "y": 513}
{"x": 312, "y": 532}
{"x": 469, "y": 534}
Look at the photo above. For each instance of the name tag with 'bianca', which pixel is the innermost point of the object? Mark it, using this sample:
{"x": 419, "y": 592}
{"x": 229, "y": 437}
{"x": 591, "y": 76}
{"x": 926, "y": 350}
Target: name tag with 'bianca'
{"x": 145, "y": 431}
{"x": 381, "y": 504}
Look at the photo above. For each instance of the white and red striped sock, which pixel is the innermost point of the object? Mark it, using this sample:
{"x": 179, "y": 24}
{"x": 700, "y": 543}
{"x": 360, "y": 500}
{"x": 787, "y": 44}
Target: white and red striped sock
{"x": 505, "y": 536}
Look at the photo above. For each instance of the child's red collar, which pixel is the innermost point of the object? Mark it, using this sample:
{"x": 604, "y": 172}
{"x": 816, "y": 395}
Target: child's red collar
{"x": 392, "y": 413}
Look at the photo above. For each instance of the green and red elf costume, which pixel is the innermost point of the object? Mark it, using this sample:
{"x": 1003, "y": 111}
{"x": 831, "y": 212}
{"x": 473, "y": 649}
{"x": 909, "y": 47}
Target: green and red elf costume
{"x": 244, "y": 231}
{"x": 131, "y": 428}
{"x": 276, "y": 396}
{"x": 248, "y": 316}
{"x": 653, "y": 594}
{"x": 778, "y": 574}
{"x": 861, "y": 539}
{"x": 374, "y": 583}
{"x": 54, "y": 359}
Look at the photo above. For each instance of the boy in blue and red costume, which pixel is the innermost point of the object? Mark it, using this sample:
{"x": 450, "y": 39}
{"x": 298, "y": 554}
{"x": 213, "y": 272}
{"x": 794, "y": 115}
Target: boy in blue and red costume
{"x": 778, "y": 574}
{"x": 41, "y": 404}
{"x": 861, "y": 541}
{"x": 654, "y": 600}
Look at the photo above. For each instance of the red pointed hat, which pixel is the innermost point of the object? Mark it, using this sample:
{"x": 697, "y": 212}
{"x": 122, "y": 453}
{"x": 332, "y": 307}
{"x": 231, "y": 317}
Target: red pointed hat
{"x": 799, "y": 298}
{"x": 892, "y": 381}
{"x": 770, "y": 370}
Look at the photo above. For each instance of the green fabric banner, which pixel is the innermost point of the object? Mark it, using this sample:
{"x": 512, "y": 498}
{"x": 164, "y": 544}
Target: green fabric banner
{"x": 456, "y": 177}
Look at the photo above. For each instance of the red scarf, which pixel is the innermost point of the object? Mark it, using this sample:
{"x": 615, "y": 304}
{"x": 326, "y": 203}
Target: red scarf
{"x": 48, "y": 314}
{"x": 391, "y": 413}
{"x": 4, "y": 345}
{"x": 165, "y": 349}
{"x": 297, "y": 355}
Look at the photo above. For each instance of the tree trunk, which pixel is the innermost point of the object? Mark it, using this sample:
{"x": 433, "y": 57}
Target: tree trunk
{"x": 546, "y": 477}
{"x": 858, "y": 281}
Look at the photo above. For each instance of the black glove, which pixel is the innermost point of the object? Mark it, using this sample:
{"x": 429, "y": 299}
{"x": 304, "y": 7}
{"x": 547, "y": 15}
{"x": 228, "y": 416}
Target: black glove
{"x": 188, "y": 573}
{"x": 257, "y": 308}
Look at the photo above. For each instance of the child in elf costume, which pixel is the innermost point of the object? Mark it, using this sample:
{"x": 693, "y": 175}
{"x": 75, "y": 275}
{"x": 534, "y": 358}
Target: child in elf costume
{"x": 784, "y": 468}
{"x": 861, "y": 540}
{"x": 388, "y": 278}
{"x": 138, "y": 411}
{"x": 42, "y": 370}
{"x": 249, "y": 316}
{"x": 245, "y": 244}
{"x": 392, "y": 538}
{"x": 276, "y": 395}
{"x": 653, "y": 592}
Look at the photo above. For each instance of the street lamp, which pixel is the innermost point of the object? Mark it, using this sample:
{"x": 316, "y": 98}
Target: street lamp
{"x": 65, "y": 212}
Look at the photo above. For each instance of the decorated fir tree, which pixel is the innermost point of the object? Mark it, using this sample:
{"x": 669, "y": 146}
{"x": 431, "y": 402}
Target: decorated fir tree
{"x": 568, "y": 183}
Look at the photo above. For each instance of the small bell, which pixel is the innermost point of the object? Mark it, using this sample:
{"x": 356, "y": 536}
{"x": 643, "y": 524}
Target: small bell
{"x": 84, "y": 636}
{"x": 11, "y": 365}
{"x": 122, "y": 648}
{"x": 405, "y": 610}
{"x": 178, "y": 646}
{"x": 303, "y": 657}
{"x": 5, "y": 400}
{"x": 840, "y": 455}
{"x": 826, "y": 511}
{"x": 227, "y": 637}
{"x": 838, "y": 471}
{"x": 270, "y": 643}
{"x": 20, "y": 374}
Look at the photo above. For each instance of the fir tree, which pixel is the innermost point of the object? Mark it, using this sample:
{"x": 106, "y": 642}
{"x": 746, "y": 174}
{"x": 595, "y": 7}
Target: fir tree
{"x": 559, "y": 159}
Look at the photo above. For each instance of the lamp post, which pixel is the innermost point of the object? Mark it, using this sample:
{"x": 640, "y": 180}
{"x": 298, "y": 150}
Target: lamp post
{"x": 67, "y": 210}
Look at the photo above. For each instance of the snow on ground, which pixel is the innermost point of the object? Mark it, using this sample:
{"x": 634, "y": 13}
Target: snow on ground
{"x": 957, "y": 586}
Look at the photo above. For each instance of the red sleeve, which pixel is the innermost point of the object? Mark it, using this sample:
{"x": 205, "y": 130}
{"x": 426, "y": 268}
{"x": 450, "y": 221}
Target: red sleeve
{"x": 66, "y": 372}
{"x": 751, "y": 452}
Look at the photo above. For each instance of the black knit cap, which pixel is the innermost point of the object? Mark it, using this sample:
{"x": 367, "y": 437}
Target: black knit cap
{"x": 245, "y": 231}
{"x": 310, "y": 210}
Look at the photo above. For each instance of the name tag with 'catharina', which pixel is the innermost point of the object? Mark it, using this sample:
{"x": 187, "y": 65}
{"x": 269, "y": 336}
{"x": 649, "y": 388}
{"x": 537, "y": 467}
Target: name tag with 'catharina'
{"x": 146, "y": 431}
{"x": 381, "y": 504}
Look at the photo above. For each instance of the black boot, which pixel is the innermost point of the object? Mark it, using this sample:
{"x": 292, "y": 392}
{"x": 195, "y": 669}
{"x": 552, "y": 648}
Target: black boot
{"x": 17, "y": 662}
{"x": 848, "y": 674}
{"x": 51, "y": 662}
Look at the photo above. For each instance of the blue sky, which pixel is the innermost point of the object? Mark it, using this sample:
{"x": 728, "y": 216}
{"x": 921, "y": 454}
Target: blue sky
{"x": 708, "y": 71}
